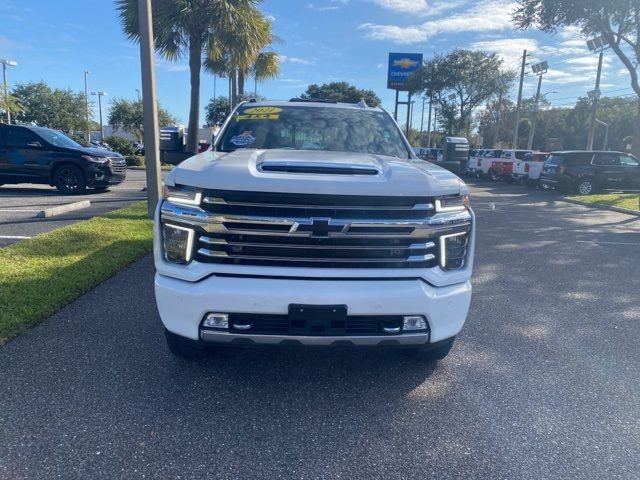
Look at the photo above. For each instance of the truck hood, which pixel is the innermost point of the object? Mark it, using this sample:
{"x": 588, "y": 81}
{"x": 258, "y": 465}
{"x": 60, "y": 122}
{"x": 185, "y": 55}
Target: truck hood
{"x": 307, "y": 171}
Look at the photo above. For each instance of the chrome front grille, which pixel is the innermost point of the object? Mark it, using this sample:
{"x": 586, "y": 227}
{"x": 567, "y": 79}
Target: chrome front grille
{"x": 330, "y": 231}
{"x": 117, "y": 165}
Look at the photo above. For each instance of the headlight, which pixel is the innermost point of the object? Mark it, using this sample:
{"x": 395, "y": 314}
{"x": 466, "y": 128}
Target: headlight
{"x": 181, "y": 195}
{"x": 96, "y": 159}
{"x": 452, "y": 204}
{"x": 177, "y": 243}
{"x": 453, "y": 250}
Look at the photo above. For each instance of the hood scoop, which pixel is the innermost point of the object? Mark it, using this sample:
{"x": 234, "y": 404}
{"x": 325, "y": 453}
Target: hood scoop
{"x": 315, "y": 167}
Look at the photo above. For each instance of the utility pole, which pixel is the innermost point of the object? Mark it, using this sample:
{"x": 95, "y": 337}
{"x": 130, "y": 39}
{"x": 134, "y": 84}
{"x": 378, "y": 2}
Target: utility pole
{"x": 429, "y": 123}
{"x": 407, "y": 126}
{"x": 149, "y": 106}
{"x": 5, "y": 64}
{"x": 395, "y": 110}
{"x": 516, "y": 127}
{"x": 138, "y": 92}
{"x": 422, "y": 121}
{"x": 539, "y": 69}
{"x": 86, "y": 104}
{"x": 100, "y": 95}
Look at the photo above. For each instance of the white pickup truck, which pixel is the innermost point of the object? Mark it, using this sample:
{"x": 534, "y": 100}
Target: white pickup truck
{"x": 312, "y": 223}
{"x": 529, "y": 169}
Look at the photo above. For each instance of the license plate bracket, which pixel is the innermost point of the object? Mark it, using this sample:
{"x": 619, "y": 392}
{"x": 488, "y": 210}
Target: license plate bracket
{"x": 320, "y": 320}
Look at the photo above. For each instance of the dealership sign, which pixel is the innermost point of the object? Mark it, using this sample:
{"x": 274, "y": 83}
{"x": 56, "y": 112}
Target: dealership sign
{"x": 401, "y": 65}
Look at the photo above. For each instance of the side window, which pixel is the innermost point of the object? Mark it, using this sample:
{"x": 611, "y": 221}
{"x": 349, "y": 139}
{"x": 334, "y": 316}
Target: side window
{"x": 521, "y": 155}
{"x": 606, "y": 159}
{"x": 628, "y": 161}
{"x": 21, "y": 137}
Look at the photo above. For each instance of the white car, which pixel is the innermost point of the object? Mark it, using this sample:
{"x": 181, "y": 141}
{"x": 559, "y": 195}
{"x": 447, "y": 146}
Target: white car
{"x": 529, "y": 169}
{"x": 312, "y": 223}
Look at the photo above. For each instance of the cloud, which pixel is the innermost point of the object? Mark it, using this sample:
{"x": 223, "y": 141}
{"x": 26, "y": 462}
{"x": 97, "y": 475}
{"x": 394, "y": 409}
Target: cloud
{"x": 300, "y": 61}
{"x": 484, "y": 16}
{"x": 419, "y": 7}
{"x": 508, "y": 49}
{"x": 321, "y": 8}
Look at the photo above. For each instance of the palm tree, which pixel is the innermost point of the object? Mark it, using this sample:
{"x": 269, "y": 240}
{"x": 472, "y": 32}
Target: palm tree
{"x": 239, "y": 54}
{"x": 190, "y": 28}
{"x": 9, "y": 102}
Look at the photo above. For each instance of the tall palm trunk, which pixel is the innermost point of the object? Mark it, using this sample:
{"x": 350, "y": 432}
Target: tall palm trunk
{"x": 195, "y": 65}
{"x": 241, "y": 79}
{"x": 234, "y": 87}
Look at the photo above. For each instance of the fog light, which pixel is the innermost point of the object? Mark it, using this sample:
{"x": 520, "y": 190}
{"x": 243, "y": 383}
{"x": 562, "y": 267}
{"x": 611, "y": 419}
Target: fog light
{"x": 177, "y": 243}
{"x": 216, "y": 320}
{"x": 413, "y": 323}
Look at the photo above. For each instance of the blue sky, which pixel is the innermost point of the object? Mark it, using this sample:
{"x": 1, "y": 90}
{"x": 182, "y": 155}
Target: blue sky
{"x": 322, "y": 41}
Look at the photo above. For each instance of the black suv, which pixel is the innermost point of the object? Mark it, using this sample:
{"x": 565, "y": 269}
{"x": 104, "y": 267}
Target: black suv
{"x": 587, "y": 171}
{"x": 41, "y": 155}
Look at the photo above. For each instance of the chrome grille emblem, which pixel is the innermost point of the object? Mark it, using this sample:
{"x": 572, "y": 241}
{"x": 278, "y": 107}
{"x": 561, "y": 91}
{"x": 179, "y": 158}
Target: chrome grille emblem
{"x": 318, "y": 227}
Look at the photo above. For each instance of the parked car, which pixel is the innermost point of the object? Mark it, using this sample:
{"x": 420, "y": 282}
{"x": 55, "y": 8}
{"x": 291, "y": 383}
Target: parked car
{"x": 253, "y": 234}
{"x": 41, "y": 155}
{"x": 482, "y": 165}
{"x": 502, "y": 167}
{"x": 529, "y": 169}
{"x": 589, "y": 171}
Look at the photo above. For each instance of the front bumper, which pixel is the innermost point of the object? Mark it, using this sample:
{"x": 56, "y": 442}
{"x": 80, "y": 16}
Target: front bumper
{"x": 183, "y": 305}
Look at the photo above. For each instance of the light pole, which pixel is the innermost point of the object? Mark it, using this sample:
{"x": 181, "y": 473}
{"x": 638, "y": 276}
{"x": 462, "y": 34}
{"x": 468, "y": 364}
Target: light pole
{"x": 422, "y": 120}
{"x": 597, "y": 44}
{"x": 86, "y": 105}
{"x": 5, "y": 63}
{"x": 605, "y": 143}
{"x": 138, "y": 92}
{"x": 539, "y": 69}
{"x": 100, "y": 95}
{"x": 516, "y": 127}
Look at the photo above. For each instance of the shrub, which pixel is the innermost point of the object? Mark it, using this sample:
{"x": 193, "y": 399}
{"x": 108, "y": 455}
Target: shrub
{"x": 135, "y": 160}
{"x": 120, "y": 145}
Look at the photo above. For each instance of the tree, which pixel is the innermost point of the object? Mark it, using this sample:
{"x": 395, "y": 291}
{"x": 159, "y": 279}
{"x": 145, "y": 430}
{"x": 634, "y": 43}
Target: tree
{"x": 55, "y": 108}
{"x": 240, "y": 54}
{"x": 217, "y": 110}
{"x": 618, "y": 21}
{"x": 10, "y": 102}
{"x": 128, "y": 115}
{"x": 190, "y": 28}
{"x": 341, "y": 92}
{"x": 458, "y": 83}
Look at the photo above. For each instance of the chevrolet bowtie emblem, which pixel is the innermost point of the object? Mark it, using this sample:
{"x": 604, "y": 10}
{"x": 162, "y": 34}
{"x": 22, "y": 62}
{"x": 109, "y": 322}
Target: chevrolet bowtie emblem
{"x": 317, "y": 227}
{"x": 405, "y": 63}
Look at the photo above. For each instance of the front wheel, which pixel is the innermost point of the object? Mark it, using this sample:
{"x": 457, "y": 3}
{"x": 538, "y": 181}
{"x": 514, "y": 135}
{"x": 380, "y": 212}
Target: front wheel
{"x": 70, "y": 180}
{"x": 495, "y": 177}
{"x": 586, "y": 186}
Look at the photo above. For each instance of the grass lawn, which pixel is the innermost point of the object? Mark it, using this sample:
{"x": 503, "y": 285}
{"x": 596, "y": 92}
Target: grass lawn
{"x": 624, "y": 200}
{"x": 40, "y": 275}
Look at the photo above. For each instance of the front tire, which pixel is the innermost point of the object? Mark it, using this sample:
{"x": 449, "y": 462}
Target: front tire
{"x": 70, "y": 180}
{"x": 183, "y": 347}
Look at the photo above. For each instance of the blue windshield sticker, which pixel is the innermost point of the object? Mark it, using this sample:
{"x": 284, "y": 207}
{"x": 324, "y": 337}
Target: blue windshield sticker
{"x": 242, "y": 140}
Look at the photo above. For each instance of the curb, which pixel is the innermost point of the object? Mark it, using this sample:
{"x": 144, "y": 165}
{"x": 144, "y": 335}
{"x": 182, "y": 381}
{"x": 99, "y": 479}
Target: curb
{"x": 602, "y": 206}
{"x": 59, "y": 210}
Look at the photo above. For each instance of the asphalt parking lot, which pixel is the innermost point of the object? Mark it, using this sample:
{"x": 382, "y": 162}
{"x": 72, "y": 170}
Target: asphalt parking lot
{"x": 543, "y": 382}
{"x": 20, "y": 203}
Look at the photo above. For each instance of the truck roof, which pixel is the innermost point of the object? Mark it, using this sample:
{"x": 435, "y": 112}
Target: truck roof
{"x": 297, "y": 102}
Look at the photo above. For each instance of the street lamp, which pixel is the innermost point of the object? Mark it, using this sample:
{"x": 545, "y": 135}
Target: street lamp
{"x": 539, "y": 69}
{"x": 605, "y": 143}
{"x": 100, "y": 95}
{"x": 86, "y": 105}
{"x": 595, "y": 45}
{"x": 6, "y": 63}
{"x": 138, "y": 92}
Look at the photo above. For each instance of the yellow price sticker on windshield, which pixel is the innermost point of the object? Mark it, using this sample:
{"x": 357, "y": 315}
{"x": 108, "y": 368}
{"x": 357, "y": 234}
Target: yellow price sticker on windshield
{"x": 261, "y": 111}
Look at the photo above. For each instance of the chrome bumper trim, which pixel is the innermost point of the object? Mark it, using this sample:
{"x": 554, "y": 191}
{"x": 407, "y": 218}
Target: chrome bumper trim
{"x": 210, "y": 336}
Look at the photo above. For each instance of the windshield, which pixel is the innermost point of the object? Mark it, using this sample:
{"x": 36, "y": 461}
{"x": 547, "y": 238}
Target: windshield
{"x": 506, "y": 154}
{"x": 56, "y": 138}
{"x": 313, "y": 128}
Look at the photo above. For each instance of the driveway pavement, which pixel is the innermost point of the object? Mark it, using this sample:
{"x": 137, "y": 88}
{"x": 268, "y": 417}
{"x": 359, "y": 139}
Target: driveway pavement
{"x": 543, "y": 382}
{"x": 19, "y": 204}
